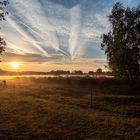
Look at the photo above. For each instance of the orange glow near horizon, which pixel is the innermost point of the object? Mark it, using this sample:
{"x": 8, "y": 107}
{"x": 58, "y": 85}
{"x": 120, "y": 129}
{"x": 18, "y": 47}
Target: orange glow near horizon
{"x": 15, "y": 65}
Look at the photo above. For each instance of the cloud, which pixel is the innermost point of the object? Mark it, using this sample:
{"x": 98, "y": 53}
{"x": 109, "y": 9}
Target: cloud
{"x": 129, "y": 1}
{"x": 67, "y": 3}
{"x": 28, "y": 57}
{"x": 56, "y": 30}
{"x": 75, "y": 20}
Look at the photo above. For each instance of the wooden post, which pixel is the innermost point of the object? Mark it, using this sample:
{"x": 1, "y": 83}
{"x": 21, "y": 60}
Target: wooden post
{"x": 91, "y": 98}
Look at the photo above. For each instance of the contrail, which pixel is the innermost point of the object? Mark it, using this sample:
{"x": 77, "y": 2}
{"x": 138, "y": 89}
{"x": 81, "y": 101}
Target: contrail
{"x": 27, "y": 37}
{"x": 43, "y": 38}
{"x": 75, "y": 14}
{"x": 63, "y": 52}
{"x": 52, "y": 35}
{"x": 36, "y": 19}
{"x": 31, "y": 30}
{"x": 12, "y": 46}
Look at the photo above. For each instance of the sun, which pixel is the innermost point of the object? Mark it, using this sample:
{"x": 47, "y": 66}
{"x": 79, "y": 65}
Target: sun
{"x": 15, "y": 65}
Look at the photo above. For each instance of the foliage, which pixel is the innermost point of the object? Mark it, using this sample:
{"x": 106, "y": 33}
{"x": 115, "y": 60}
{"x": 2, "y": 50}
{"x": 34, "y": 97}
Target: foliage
{"x": 122, "y": 43}
{"x": 91, "y": 73}
{"x": 3, "y": 12}
{"x": 99, "y": 70}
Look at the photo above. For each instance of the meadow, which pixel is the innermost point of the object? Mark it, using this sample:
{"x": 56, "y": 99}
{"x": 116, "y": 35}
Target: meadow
{"x": 60, "y": 109}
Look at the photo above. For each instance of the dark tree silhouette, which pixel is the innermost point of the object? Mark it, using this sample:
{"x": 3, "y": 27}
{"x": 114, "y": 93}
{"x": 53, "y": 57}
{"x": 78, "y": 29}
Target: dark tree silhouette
{"x": 3, "y": 12}
{"x": 122, "y": 43}
{"x": 91, "y": 73}
{"x": 99, "y": 71}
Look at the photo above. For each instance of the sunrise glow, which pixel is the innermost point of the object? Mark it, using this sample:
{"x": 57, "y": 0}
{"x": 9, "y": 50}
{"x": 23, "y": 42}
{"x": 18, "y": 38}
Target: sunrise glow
{"x": 15, "y": 65}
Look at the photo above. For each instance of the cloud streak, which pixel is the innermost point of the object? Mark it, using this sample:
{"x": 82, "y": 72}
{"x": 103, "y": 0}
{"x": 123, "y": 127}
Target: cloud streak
{"x": 75, "y": 17}
{"x": 60, "y": 29}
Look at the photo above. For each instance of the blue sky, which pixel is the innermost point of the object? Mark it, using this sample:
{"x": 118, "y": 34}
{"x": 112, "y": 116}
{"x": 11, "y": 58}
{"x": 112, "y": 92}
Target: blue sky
{"x": 57, "y": 34}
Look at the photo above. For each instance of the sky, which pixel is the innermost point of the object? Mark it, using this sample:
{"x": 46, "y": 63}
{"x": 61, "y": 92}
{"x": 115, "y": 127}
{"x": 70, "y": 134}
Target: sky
{"x": 46, "y": 35}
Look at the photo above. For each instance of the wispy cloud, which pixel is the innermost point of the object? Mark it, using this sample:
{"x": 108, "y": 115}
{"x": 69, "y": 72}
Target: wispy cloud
{"x": 57, "y": 29}
{"x": 75, "y": 19}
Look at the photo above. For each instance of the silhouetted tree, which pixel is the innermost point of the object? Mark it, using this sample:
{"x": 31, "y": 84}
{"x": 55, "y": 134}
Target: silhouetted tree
{"x": 99, "y": 71}
{"x": 78, "y": 72}
{"x": 122, "y": 43}
{"x": 91, "y": 73}
{"x": 3, "y": 12}
{"x": 59, "y": 72}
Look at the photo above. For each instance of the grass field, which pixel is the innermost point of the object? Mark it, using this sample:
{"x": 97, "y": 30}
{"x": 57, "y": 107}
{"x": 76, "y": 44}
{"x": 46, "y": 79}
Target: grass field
{"x": 47, "y": 109}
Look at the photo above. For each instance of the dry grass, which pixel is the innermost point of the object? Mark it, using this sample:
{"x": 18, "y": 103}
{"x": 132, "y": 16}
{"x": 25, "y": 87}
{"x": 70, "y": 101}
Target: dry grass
{"x": 45, "y": 111}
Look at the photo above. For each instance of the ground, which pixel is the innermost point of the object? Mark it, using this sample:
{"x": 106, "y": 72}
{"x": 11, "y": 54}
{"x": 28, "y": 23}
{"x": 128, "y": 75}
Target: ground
{"x": 36, "y": 109}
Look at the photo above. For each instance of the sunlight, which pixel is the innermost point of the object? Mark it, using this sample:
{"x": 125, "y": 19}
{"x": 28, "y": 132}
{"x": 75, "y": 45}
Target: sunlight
{"x": 15, "y": 65}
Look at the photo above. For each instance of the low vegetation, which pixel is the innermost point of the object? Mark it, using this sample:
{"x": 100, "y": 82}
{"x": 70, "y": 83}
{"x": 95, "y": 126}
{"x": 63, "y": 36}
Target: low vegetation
{"x": 60, "y": 108}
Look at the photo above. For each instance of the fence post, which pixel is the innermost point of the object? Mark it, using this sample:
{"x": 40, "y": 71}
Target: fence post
{"x": 91, "y": 98}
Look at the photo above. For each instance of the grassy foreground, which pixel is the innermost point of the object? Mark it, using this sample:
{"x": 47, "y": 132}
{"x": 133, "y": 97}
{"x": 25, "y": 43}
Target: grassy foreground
{"x": 60, "y": 109}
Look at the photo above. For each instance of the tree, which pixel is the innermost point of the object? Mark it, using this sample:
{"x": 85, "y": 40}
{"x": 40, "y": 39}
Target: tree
{"x": 3, "y": 12}
{"x": 122, "y": 43}
{"x": 77, "y": 72}
{"x": 91, "y": 73}
{"x": 99, "y": 71}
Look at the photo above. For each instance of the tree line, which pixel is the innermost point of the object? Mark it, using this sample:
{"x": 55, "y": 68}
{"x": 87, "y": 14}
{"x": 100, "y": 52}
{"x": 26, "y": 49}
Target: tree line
{"x": 99, "y": 71}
